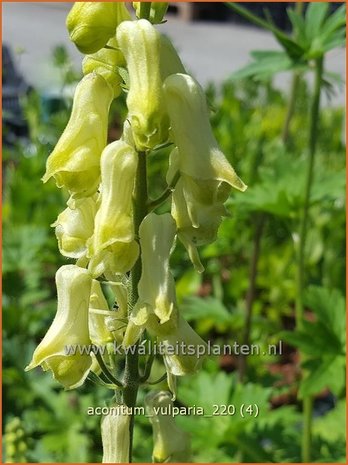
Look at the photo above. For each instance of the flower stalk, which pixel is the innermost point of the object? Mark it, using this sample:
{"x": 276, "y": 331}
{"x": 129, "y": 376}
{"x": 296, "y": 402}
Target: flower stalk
{"x": 302, "y": 240}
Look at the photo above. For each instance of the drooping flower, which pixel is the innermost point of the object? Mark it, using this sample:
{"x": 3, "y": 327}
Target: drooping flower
{"x": 68, "y": 331}
{"x": 106, "y": 63}
{"x": 115, "y": 435}
{"x": 171, "y": 444}
{"x": 183, "y": 349}
{"x": 206, "y": 176}
{"x": 74, "y": 163}
{"x": 113, "y": 248}
{"x": 74, "y": 226}
{"x": 156, "y": 306}
{"x": 92, "y": 24}
{"x": 139, "y": 42}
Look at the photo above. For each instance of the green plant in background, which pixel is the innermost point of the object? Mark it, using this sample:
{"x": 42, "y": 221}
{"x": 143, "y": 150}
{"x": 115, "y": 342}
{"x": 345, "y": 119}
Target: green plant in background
{"x": 248, "y": 120}
{"x": 110, "y": 227}
{"x": 315, "y": 33}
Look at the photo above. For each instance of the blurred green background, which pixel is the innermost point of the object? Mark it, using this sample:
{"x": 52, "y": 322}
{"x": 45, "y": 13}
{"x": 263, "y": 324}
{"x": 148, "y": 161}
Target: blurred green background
{"x": 42, "y": 423}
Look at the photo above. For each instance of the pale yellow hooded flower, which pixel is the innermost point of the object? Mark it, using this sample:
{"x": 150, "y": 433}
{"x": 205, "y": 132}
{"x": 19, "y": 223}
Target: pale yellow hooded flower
{"x": 206, "y": 176}
{"x": 183, "y": 349}
{"x": 74, "y": 226}
{"x": 171, "y": 444}
{"x": 74, "y": 162}
{"x": 113, "y": 248}
{"x": 115, "y": 434}
{"x": 92, "y": 24}
{"x": 139, "y": 42}
{"x": 156, "y": 306}
{"x": 69, "y": 329}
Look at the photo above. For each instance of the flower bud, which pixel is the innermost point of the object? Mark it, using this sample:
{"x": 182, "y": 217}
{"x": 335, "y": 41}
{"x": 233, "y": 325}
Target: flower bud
{"x": 157, "y": 11}
{"x": 115, "y": 435}
{"x": 74, "y": 163}
{"x": 92, "y": 24}
{"x": 184, "y": 339}
{"x": 156, "y": 288}
{"x": 112, "y": 246}
{"x": 68, "y": 330}
{"x": 171, "y": 444}
{"x": 74, "y": 226}
{"x": 139, "y": 42}
{"x": 106, "y": 62}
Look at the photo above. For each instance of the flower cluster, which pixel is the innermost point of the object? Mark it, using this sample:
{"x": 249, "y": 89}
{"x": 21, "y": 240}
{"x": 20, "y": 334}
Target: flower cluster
{"x": 98, "y": 228}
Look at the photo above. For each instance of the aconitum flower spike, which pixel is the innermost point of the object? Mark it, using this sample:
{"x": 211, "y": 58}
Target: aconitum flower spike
{"x": 74, "y": 226}
{"x": 113, "y": 248}
{"x": 171, "y": 444}
{"x": 92, "y": 24}
{"x": 74, "y": 162}
{"x": 139, "y": 42}
{"x": 69, "y": 328}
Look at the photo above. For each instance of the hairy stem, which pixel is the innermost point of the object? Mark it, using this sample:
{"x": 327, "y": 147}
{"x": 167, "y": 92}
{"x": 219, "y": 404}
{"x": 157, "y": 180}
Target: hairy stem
{"x": 131, "y": 374}
{"x": 312, "y": 144}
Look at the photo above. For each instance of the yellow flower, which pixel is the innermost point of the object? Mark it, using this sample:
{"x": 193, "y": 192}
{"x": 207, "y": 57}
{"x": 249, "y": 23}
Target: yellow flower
{"x": 92, "y": 24}
{"x": 180, "y": 344}
{"x": 156, "y": 306}
{"x": 113, "y": 248}
{"x": 171, "y": 444}
{"x": 74, "y": 226}
{"x": 68, "y": 329}
{"x": 106, "y": 62}
{"x": 206, "y": 177}
{"x": 74, "y": 163}
{"x": 139, "y": 42}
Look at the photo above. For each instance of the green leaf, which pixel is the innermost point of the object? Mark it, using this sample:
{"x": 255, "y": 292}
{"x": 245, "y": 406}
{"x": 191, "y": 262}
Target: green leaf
{"x": 196, "y": 308}
{"x": 265, "y": 64}
{"x": 298, "y": 25}
{"x": 314, "y": 18}
{"x": 327, "y": 373}
{"x": 329, "y": 306}
{"x": 334, "y": 22}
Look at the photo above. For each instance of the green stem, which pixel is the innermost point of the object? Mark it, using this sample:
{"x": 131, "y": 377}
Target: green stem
{"x": 313, "y": 135}
{"x": 131, "y": 373}
{"x": 163, "y": 197}
{"x": 299, "y": 311}
{"x": 145, "y": 8}
{"x": 296, "y": 77}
